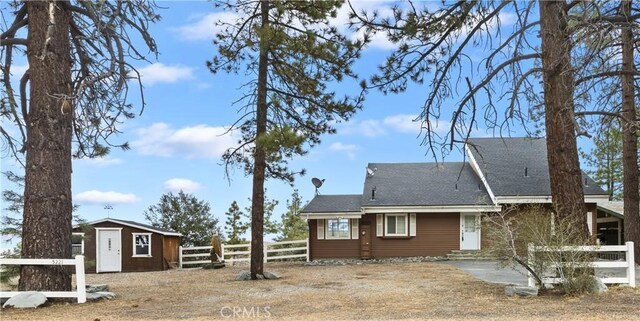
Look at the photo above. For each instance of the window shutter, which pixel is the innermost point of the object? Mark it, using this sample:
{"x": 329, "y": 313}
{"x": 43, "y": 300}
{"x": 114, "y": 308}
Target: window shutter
{"x": 354, "y": 228}
{"x": 412, "y": 224}
{"x": 379, "y": 223}
{"x": 320, "y": 229}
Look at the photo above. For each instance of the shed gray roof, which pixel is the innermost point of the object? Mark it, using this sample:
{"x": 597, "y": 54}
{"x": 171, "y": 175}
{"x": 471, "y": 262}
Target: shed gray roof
{"x": 136, "y": 225}
{"x": 333, "y": 204}
{"x": 503, "y": 162}
{"x": 424, "y": 184}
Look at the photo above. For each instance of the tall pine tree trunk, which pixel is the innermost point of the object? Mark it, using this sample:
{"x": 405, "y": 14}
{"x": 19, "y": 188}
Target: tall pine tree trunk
{"x": 260, "y": 164}
{"x": 631, "y": 194}
{"x": 46, "y": 231}
{"x": 562, "y": 150}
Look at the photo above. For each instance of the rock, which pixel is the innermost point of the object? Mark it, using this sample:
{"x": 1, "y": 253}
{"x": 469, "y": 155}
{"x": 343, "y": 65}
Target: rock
{"x": 598, "y": 286}
{"x": 26, "y": 300}
{"x": 214, "y": 265}
{"x": 270, "y": 276}
{"x": 100, "y": 295}
{"x": 511, "y": 290}
{"x": 92, "y": 288}
{"x": 243, "y": 276}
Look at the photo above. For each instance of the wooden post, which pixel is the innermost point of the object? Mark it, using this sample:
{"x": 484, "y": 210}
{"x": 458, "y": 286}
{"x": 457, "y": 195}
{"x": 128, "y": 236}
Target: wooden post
{"x": 81, "y": 285}
{"x": 631, "y": 265}
{"x": 222, "y": 252}
{"x": 180, "y": 256}
{"x": 307, "y": 248}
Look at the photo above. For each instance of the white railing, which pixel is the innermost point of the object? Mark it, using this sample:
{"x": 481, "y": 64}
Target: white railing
{"x": 81, "y": 291}
{"x": 628, "y": 263}
{"x": 242, "y": 252}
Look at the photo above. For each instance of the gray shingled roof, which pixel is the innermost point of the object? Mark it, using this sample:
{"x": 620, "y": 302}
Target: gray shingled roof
{"x": 503, "y": 162}
{"x": 399, "y": 184}
{"x": 136, "y": 225}
{"x": 333, "y": 204}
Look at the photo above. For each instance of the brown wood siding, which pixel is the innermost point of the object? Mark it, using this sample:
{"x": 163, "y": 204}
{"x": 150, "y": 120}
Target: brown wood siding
{"x": 171, "y": 248}
{"x": 436, "y": 235}
{"x": 330, "y": 249}
{"x": 129, "y": 263}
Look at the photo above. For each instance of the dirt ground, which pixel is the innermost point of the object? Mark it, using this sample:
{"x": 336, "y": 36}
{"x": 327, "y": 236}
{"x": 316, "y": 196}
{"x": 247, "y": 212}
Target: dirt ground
{"x": 368, "y": 292}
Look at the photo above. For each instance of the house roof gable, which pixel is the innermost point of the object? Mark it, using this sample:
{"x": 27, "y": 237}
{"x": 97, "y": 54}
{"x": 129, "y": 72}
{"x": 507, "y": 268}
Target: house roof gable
{"x": 505, "y": 161}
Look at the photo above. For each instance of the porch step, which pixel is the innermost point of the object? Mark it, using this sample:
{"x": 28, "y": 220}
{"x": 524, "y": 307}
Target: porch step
{"x": 462, "y": 255}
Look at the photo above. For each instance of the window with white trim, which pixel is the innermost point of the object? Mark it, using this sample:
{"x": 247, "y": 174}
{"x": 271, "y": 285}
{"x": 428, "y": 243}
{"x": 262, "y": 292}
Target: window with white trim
{"x": 396, "y": 225}
{"x": 77, "y": 244}
{"x": 337, "y": 228}
{"x": 141, "y": 244}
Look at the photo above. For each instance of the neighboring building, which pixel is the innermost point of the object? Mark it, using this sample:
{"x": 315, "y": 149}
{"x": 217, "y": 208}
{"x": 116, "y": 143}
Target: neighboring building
{"x": 113, "y": 245}
{"x": 430, "y": 209}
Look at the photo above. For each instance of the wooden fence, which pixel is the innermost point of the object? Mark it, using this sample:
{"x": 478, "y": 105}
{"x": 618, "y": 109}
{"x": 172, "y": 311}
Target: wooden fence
{"x": 628, "y": 263}
{"x": 286, "y": 250}
{"x": 81, "y": 291}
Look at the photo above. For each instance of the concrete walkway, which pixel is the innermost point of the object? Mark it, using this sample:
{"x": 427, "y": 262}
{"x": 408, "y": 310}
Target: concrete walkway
{"x": 490, "y": 271}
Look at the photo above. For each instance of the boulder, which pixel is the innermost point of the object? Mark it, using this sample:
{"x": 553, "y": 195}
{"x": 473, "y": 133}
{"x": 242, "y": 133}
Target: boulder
{"x": 598, "y": 286}
{"x": 270, "y": 276}
{"x": 26, "y": 300}
{"x": 92, "y": 288}
{"x": 243, "y": 276}
{"x": 100, "y": 295}
{"x": 511, "y": 290}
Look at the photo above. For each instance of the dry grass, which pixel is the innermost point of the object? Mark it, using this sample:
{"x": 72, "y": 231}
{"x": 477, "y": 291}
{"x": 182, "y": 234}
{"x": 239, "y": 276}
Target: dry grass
{"x": 372, "y": 291}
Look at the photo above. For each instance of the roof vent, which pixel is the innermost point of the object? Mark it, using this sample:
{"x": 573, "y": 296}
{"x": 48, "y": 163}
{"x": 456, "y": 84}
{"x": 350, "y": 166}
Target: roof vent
{"x": 526, "y": 171}
{"x": 373, "y": 193}
{"x": 586, "y": 182}
{"x": 456, "y": 187}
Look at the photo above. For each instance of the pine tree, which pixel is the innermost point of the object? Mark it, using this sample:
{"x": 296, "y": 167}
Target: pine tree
{"x": 605, "y": 159}
{"x": 293, "y": 226}
{"x": 186, "y": 214}
{"x": 293, "y": 53}
{"x": 235, "y": 225}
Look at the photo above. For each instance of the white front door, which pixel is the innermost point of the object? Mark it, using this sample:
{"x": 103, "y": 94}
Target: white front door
{"x": 469, "y": 232}
{"x": 109, "y": 257}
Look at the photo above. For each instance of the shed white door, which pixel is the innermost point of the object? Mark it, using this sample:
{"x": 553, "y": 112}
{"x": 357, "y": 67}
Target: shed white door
{"x": 109, "y": 250}
{"x": 469, "y": 232}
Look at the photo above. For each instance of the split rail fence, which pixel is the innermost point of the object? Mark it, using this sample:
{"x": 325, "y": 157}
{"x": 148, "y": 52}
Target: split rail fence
{"x": 274, "y": 251}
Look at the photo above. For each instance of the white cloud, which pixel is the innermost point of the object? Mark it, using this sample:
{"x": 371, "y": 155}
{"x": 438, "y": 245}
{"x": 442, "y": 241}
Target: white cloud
{"x": 206, "y": 27}
{"x": 181, "y": 184}
{"x": 160, "y": 73}
{"x": 101, "y": 161}
{"x": 403, "y": 123}
{"x": 348, "y": 149}
{"x": 200, "y": 141}
{"x": 99, "y": 197}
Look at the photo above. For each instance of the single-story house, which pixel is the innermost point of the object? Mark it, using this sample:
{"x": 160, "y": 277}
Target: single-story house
{"x": 114, "y": 245}
{"x": 431, "y": 209}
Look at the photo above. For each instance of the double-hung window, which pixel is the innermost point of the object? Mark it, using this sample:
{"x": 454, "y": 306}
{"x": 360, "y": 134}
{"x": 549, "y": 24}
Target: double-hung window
{"x": 141, "y": 244}
{"x": 396, "y": 225}
{"x": 337, "y": 228}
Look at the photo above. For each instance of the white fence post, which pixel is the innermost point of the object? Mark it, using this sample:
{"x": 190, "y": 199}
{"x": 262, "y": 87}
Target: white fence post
{"x": 222, "y": 251}
{"x": 631, "y": 268}
{"x": 530, "y": 258}
{"x": 307, "y": 243}
{"x": 180, "y": 257}
{"x": 81, "y": 285}
{"x": 265, "y": 247}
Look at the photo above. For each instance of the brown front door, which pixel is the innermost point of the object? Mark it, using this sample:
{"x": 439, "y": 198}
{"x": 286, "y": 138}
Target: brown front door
{"x": 365, "y": 241}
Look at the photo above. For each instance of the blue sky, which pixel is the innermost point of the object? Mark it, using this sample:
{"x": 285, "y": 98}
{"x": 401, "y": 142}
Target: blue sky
{"x": 177, "y": 142}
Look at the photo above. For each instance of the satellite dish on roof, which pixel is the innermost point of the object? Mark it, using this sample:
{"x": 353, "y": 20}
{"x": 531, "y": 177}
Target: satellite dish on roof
{"x": 317, "y": 183}
{"x": 370, "y": 171}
